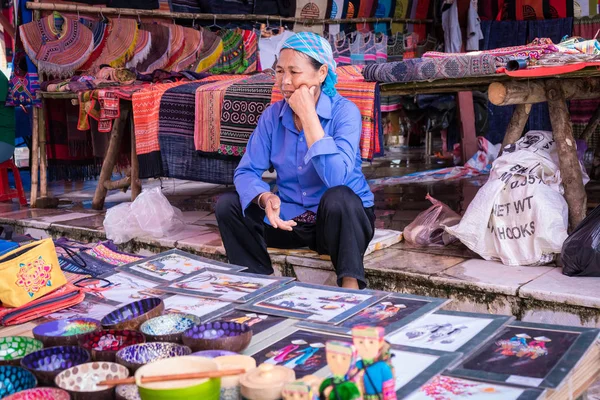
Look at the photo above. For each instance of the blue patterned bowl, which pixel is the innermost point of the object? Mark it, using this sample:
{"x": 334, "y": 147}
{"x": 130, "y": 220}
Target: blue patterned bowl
{"x": 169, "y": 327}
{"x": 14, "y": 348}
{"x": 132, "y": 315}
{"x": 14, "y": 379}
{"x": 218, "y": 335}
{"x": 49, "y": 362}
{"x": 133, "y": 357}
{"x": 65, "y": 332}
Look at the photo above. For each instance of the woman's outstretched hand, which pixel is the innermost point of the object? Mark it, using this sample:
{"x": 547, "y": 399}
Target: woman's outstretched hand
{"x": 272, "y": 206}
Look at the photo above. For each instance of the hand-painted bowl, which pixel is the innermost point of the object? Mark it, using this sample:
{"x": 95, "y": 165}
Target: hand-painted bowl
{"x": 15, "y": 379}
{"x": 213, "y": 353}
{"x": 218, "y": 335}
{"x": 205, "y": 389}
{"x": 169, "y": 327}
{"x": 40, "y": 393}
{"x": 132, "y": 315}
{"x": 127, "y": 392}
{"x": 103, "y": 345}
{"x": 133, "y": 357}
{"x": 14, "y": 348}
{"x": 49, "y": 362}
{"x": 65, "y": 332}
{"x": 82, "y": 381}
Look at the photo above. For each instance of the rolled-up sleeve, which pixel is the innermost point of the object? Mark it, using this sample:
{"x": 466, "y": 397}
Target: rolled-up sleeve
{"x": 334, "y": 155}
{"x": 248, "y": 175}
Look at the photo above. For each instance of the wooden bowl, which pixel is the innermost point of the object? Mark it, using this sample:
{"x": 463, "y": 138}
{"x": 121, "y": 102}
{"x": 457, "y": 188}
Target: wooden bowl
{"x": 205, "y": 389}
{"x": 266, "y": 382}
{"x": 80, "y": 381}
{"x": 132, "y": 315}
{"x": 40, "y": 393}
{"x": 169, "y": 327}
{"x": 103, "y": 345}
{"x": 15, "y": 379}
{"x": 65, "y": 332}
{"x": 218, "y": 335}
{"x": 134, "y": 357}
{"x": 14, "y": 348}
{"x": 49, "y": 362}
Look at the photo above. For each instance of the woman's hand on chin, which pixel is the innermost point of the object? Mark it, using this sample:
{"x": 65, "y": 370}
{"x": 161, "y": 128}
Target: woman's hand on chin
{"x": 303, "y": 101}
{"x": 272, "y": 208}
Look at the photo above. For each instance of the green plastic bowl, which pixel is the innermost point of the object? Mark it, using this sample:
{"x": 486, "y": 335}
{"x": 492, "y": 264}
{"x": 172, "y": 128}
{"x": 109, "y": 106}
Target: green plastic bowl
{"x": 205, "y": 389}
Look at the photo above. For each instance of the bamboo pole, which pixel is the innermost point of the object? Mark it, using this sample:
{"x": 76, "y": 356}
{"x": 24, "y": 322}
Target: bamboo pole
{"x": 209, "y": 17}
{"x": 35, "y": 147}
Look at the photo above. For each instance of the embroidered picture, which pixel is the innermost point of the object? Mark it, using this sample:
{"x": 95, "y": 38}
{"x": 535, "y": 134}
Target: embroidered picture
{"x": 34, "y": 275}
{"x": 125, "y": 288}
{"x": 310, "y": 11}
{"x": 448, "y": 388}
{"x": 386, "y": 312}
{"x": 258, "y": 322}
{"x": 196, "y": 306}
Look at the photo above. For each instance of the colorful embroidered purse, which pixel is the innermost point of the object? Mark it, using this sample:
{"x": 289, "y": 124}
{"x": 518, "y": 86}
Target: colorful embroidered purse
{"x": 29, "y": 272}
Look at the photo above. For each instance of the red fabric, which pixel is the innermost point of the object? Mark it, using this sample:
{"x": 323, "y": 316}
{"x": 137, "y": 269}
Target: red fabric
{"x": 529, "y": 9}
{"x": 559, "y": 9}
{"x": 8, "y": 41}
{"x": 549, "y": 71}
{"x": 422, "y": 11}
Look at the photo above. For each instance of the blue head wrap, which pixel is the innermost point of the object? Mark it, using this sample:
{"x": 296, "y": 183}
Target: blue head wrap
{"x": 318, "y": 48}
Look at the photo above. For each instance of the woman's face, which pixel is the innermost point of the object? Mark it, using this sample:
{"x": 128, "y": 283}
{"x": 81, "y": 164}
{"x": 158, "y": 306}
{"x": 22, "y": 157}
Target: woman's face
{"x": 295, "y": 69}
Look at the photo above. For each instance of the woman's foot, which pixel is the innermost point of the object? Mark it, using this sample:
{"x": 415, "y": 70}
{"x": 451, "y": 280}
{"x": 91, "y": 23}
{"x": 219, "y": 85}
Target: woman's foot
{"x": 349, "y": 283}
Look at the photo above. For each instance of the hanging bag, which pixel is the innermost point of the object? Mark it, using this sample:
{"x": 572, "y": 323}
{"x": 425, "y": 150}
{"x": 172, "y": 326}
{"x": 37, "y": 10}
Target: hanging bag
{"x": 29, "y": 272}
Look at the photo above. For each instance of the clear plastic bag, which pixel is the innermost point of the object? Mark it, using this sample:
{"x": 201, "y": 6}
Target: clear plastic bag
{"x": 581, "y": 251}
{"x": 150, "y": 214}
{"x": 428, "y": 228}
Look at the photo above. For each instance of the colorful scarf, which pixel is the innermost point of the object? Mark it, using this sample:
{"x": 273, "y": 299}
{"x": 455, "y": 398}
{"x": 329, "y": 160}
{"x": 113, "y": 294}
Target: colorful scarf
{"x": 212, "y": 48}
{"x": 319, "y": 49}
{"x": 243, "y": 104}
{"x": 159, "y": 52}
{"x": 100, "y": 31}
{"x": 177, "y": 45}
{"x": 120, "y": 44}
{"x": 57, "y": 51}
{"x": 192, "y": 46}
{"x": 142, "y": 49}
{"x": 232, "y": 59}
{"x": 209, "y": 104}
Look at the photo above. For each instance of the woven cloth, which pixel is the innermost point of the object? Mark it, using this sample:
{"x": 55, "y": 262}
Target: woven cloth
{"x": 191, "y": 49}
{"x": 108, "y": 253}
{"x": 159, "y": 52}
{"x": 177, "y": 45}
{"x": 142, "y": 49}
{"x": 424, "y": 69}
{"x": 57, "y": 44}
{"x": 99, "y": 29}
{"x": 120, "y": 44}
{"x": 251, "y": 50}
{"x": 209, "y": 103}
{"x": 212, "y": 48}
{"x": 243, "y": 104}
{"x": 232, "y": 59}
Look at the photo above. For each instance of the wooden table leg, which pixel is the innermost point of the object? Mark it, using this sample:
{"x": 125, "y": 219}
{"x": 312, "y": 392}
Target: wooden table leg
{"x": 34, "y": 156}
{"x": 468, "y": 133}
{"x": 517, "y": 123}
{"x": 570, "y": 169}
{"x": 136, "y": 184}
{"x": 43, "y": 155}
{"x": 110, "y": 159}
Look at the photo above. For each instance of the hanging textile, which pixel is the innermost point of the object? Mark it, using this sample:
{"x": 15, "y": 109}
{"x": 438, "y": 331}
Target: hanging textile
{"x": 120, "y": 44}
{"x": 554, "y": 29}
{"x": 581, "y": 8}
{"x": 381, "y": 41}
{"x": 176, "y": 46}
{"x": 366, "y": 10}
{"x": 142, "y": 49}
{"x": 99, "y": 30}
{"x": 554, "y": 9}
{"x": 191, "y": 49}
{"x": 284, "y": 8}
{"x": 312, "y": 9}
{"x": 159, "y": 52}
{"x": 8, "y": 11}
{"x": 243, "y": 104}
{"x": 227, "y": 6}
{"x": 422, "y": 11}
{"x": 395, "y": 50}
{"x": 57, "y": 45}
{"x": 269, "y": 48}
{"x": 340, "y": 46}
{"x": 529, "y": 10}
{"x": 251, "y": 55}
{"x": 186, "y": 6}
{"x": 212, "y": 48}
{"x": 402, "y": 7}
{"x": 137, "y": 4}
{"x": 384, "y": 9}
{"x": 232, "y": 59}
{"x": 362, "y": 48}
{"x": 339, "y": 9}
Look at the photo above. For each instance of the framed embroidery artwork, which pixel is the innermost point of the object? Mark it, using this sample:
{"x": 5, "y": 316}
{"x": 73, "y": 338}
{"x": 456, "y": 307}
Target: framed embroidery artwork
{"x": 444, "y": 387}
{"x": 90, "y": 307}
{"x": 222, "y": 285}
{"x": 527, "y": 354}
{"x": 392, "y": 313}
{"x": 172, "y": 265}
{"x": 449, "y": 331}
{"x": 200, "y": 307}
{"x": 314, "y": 302}
{"x": 122, "y": 289}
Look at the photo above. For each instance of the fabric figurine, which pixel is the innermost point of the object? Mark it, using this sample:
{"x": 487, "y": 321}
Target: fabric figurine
{"x": 375, "y": 376}
{"x": 299, "y": 390}
{"x": 341, "y": 357}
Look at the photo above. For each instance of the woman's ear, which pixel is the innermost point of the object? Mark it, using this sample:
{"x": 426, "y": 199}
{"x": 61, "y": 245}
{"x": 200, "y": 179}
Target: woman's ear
{"x": 323, "y": 73}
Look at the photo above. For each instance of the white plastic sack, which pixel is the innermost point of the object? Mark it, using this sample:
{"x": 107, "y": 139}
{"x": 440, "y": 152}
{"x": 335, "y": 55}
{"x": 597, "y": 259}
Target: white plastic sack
{"x": 150, "y": 214}
{"x": 519, "y": 216}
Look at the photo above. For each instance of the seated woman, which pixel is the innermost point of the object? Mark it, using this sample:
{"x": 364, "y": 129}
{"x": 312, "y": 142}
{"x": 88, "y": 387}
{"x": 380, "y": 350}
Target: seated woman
{"x": 311, "y": 138}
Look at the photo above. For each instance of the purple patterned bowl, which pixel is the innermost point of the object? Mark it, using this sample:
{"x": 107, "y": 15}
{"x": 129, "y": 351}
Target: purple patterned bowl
{"x": 132, "y": 315}
{"x": 133, "y": 357}
{"x": 213, "y": 353}
{"x": 103, "y": 345}
{"x": 218, "y": 335}
{"x": 65, "y": 332}
{"x": 49, "y": 362}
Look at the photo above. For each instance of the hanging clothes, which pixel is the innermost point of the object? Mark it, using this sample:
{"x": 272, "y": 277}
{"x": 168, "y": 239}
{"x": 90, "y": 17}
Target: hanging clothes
{"x": 339, "y": 10}
{"x": 554, "y": 29}
{"x": 452, "y": 34}
{"x": 192, "y": 45}
{"x": 212, "y": 48}
{"x": 120, "y": 44}
{"x": 186, "y": 6}
{"x": 385, "y": 9}
{"x": 137, "y": 4}
{"x": 312, "y": 9}
{"x": 421, "y": 13}
{"x": 340, "y": 46}
{"x": 400, "y": 10}
{"x": 362, "y": 48}
{"x": 395, "y": 49}
{"x": 158, "y": 56}
{"x": 555, "y": 9}
{"x": 269, "y": 48}
{"x": 142, "y": 49}
{"x": 381, "y": 41}
{"x": 232, "y": 59}
{"x": 474, "y": 33}
{"x": 581, "y": 8}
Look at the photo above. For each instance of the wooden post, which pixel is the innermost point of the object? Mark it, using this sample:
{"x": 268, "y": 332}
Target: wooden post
{"x": 136, "y": 185}
{"x": 43, "y": 156}
{"x": 531, "y": 92}
{"x": 516, "y": 125}
{"x": 34, "y": 156}
{"x": 110, "y": 159}
{"x": 592, "y": 124}
{"x": 570, "y": 169}
{"x": 468, "y": 134}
